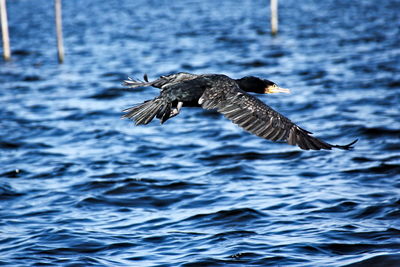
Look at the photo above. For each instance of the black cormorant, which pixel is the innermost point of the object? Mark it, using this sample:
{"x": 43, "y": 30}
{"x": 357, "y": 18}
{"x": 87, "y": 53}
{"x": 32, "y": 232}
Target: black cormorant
{"x": 229, "y": 97}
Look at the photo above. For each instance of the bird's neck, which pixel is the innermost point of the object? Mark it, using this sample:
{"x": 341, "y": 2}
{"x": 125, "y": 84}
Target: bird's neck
{"x": 241, "y": 84}
{"x": 246, "y": 86}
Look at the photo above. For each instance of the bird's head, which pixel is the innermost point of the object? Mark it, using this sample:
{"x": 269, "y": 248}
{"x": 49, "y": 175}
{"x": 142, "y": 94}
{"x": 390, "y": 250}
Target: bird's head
{"x": 260, "y": 86}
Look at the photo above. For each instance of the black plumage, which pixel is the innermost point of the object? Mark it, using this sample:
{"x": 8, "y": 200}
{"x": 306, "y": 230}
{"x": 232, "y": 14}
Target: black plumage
{"x": 230, "y": 98}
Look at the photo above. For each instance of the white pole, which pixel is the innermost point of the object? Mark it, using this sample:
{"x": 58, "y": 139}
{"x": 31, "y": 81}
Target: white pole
{"x": 60, "y": 46}
{"x": 4, "y": 30}
{"x": 274, "y": 16}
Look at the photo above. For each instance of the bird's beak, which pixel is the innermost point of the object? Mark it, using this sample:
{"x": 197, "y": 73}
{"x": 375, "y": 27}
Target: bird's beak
{"x": 275, "y": 89}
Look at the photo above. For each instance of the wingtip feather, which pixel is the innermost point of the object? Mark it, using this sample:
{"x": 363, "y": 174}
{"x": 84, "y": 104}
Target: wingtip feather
{"x": 349, "y": 146}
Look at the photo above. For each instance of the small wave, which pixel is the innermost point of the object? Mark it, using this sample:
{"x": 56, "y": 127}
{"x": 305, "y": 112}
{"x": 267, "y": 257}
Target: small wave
{"x": 31, "y": 78}
{"x": 387, "y": 260}
{"x": 7, "y": 192}
{"x": 10, "y": 145}
{"x": 16, "y": 145}
{"x": 22, "y": 52}
{"x": 63, "y": 169}
{"x": 75, "y": 246}
{"x": 114, "y": 76}
{"x": 312, "y": 74}
{"x": 143, "y": 201}
{"x": 233, "y": 234}
{"x": 379, "y": 131}
{"x": 344, "y": 206}
{"x": 382, "y": 168}
{"x": 256, "y": 63}
{"x": 15, "y": 173}
{"x": 109, "y": 93}
{"x": 228, "y": 216}
{"x": 382, "y": 211}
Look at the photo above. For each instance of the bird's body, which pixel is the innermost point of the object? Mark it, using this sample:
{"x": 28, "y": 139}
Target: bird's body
{"x": 227, "y": 96}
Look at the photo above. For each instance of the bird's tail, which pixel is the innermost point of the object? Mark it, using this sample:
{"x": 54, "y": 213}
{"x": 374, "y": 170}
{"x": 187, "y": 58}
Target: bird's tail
{"x": 135, "y": 83}
{"x": 145, "y": 112}
{"x": 158, "y": 83}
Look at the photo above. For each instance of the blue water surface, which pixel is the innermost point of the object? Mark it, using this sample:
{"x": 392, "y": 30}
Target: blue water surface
{"x": 80, "y": 187}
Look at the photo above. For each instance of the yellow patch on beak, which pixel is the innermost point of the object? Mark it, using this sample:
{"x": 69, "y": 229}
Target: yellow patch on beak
{"x": 275, "y": 89}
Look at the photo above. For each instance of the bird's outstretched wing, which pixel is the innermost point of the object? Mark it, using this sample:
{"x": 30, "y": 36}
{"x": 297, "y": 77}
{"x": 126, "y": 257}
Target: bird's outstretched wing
{"x": 254, "y": 116}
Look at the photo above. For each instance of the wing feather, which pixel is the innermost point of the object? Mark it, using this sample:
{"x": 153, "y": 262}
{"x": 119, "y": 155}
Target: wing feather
{"x": 254, "y": 116}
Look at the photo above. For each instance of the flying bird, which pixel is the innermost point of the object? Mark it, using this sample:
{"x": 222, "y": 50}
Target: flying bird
{"x": 229, "y": 97}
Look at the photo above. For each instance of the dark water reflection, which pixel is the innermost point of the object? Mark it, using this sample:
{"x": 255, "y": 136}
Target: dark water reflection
{"x": 79, "y": 186}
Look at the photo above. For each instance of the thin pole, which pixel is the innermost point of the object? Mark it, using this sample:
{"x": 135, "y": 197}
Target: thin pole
{"x": 274, "y": 16}
{"x": 4, "y": 30}
{"x": 60, "y": 46}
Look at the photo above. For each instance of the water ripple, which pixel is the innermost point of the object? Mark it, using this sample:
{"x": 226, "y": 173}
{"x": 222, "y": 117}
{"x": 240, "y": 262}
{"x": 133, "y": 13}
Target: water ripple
{"x": 80, "y": 187}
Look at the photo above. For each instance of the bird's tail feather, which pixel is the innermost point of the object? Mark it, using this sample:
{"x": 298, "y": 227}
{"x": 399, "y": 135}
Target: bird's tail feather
{"x": 144, "y": 113}
{"x": 134, "y": 83}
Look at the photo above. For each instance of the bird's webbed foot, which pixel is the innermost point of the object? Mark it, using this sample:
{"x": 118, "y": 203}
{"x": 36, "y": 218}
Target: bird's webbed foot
{"x": 175, "y": 111}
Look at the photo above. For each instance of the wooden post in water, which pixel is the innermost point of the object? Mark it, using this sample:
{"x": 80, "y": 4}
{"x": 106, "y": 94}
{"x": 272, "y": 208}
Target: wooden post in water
{"x": 4, "y": 30}
{"x": 60, "y": 46}
{"x": 274, "y": 16}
